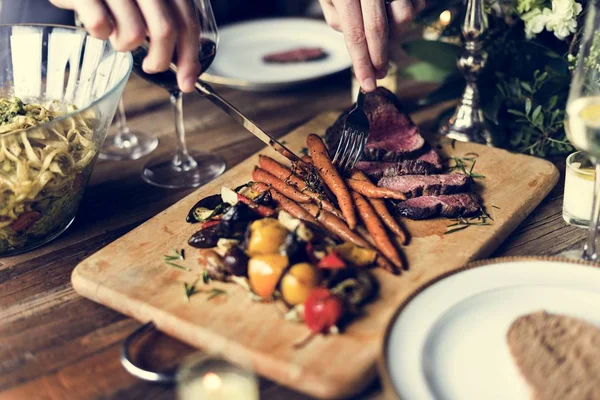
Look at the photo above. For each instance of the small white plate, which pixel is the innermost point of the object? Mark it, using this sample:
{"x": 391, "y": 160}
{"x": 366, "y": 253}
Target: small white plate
{"x": 239, "y": 61}
{"x": 449, "y": 341}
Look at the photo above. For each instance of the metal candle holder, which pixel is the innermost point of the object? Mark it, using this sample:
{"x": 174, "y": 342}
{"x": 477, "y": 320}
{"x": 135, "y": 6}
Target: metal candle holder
{"x": 468, "y": 124}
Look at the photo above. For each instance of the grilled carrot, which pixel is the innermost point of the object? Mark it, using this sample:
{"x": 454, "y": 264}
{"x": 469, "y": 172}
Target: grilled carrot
{"x": 331, "y": 177}
{"x": 285, "y": 204}
{"x": 376, "y": 229}
{"x": 287, "y": 175}
{"x": 389, "y": 220}
{"x": 260, "y": 175}
{"x": 361, "y": 184}
{"x": 384, "y": 263}
{"x": 335, "y": 225}
{"x": 307, "y": 159}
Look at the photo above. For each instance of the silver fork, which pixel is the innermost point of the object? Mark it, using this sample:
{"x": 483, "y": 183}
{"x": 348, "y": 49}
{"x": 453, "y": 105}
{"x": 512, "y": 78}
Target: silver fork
{"x": 354, "y": 137}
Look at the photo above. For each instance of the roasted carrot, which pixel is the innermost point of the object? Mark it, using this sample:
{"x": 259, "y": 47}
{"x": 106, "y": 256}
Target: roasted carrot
{"x": 335, "y": 225}
{"x": 385, "y": 264}
{"x": 376, "y": 230}
{"x": 288, "y": 176}
{"x": 361, "y": 184}
{"x": 389, "y": 220}
{"x": 331, "y": 177}
{"x": 307, "y": 159}
{"x": 285, "y": 204}
{"x": 260, "y": 175}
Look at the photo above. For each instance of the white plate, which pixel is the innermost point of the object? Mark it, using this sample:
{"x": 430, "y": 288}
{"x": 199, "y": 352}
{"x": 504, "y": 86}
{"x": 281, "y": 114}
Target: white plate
{"x": 242, "y": 46}
{"x": 449, "y": 341}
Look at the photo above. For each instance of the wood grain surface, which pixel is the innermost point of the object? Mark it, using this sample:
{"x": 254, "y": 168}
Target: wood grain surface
{"x": 131, "y": 276}
{"x": 55, "y": 344}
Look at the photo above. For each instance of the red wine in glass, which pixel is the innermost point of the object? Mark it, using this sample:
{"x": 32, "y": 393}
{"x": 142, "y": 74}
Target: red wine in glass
{"x": 168, "y": 79}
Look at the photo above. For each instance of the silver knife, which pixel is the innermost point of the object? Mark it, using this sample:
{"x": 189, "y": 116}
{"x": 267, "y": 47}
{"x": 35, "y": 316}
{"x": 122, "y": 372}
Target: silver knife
{"x": 208, "y": 92}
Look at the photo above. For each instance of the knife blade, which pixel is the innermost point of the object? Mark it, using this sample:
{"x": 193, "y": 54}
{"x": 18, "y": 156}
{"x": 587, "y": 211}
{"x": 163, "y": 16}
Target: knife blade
{"x": 207, "y": 91}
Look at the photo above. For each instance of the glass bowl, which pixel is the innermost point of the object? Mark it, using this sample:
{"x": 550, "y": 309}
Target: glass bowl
{"x": 59, "y": 90}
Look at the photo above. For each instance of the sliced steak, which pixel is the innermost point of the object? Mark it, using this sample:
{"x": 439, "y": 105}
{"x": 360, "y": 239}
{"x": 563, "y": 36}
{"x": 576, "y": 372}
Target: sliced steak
{"x": 302, "y": 54}
{"x": 426, "y": 185}
{"x": 426, "y": 164}
{"x": 393, "y": 136}
{"x": 448, "y": 206}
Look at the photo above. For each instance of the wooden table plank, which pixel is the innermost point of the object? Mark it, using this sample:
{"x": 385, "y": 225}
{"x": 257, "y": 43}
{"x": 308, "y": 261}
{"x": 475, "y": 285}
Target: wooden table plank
{"x": 54, "y": 344}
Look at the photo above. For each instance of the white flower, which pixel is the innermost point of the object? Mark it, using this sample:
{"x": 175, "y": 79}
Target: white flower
{"x": 535, "y": 21}
{"x": 524, "y": 6}
{"x": 562, "y": 19}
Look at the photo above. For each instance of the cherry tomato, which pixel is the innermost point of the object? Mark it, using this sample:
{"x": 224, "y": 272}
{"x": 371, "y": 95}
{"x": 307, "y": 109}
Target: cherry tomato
{"x": 322, "y": 310}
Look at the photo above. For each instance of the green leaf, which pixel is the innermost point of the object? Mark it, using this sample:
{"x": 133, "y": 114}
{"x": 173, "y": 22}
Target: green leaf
{"x": 526, "y": 86}
{"x": 552, "y": 102}
{"x": 516, "y": 112}
{"x": 536, "y": 115}
{"x": 442, "y": 55}
{"x": 426, "y": 72}
{"x": 527, "y": 106}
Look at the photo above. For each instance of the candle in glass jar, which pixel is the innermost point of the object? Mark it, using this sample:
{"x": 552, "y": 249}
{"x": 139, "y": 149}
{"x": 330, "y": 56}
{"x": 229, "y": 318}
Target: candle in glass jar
{"x": 215, "y": 379}
{"x": 579, "y": 190}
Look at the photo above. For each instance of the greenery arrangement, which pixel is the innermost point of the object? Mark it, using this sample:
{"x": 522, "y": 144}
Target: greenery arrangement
{"x": 531, "y": 47}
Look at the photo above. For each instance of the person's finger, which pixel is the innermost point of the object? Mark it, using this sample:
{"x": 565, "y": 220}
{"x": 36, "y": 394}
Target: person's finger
{"x": 400, "y": 12}
{"x": 376, "y": 32}
{"x": 331, "y": 16}
{"x": 160, "y": 24}
{"x": 418, "y": 5}
{"x": 188, "y": 45}
{"x": 354, "y": 33}
{"x": 92, "y": 14}
{"x": 130, "y": 30}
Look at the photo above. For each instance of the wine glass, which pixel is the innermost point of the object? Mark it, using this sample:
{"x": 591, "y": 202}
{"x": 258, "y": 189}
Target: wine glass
{"x": 124, "y": 144}
{"x": 583, "y": 115}
{"x": 185, "y": 169}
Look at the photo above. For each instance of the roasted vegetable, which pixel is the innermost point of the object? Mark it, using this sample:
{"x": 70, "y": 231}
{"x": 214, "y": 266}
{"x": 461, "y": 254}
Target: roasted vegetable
{"x": 322, "y": 310}
{"x": 206, "y": 237}
{"x": 332, "y": 261}
{"x": 266, "y": 237}
{"x": 233, "y": 198}
{"x": 215, "y": 266}
{"x": 355, "y": 286}
{"x": 205, "y": 209}
{"x": 264, "y": 273}
{"x": 235, "y": 220}
{"x": 355, "y": 255}
{"x": 298, "y": 282}
{"x": 236, "y": 261}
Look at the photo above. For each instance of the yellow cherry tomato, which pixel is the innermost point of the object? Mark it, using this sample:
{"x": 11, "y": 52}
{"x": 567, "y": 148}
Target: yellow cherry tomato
{"x": 264, "y": 272}
{"x": 266, "y": 236}
{"x": 298, "y": 282}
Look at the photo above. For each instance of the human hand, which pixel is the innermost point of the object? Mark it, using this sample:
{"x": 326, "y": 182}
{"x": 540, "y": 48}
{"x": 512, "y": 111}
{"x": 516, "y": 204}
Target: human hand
{"x": 367, "y": 25}
{"x": 169, "y": 24}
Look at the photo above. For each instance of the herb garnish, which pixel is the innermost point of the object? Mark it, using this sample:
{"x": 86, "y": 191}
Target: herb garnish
{"x": 466, "y": 165}
{"x": 189, "y": 289}
{"x": 461, "y": 223}
{"x": 179, "y": 255}
{"x": 214, "y": 292}
{"x": 205, "y": 277}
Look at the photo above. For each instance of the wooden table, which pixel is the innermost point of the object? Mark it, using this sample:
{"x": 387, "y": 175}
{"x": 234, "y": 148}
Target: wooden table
{"x": 57, "y": 345}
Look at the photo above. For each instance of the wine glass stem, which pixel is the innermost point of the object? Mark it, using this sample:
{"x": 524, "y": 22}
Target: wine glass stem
{"x": 590, "y": 251}
{"x": 182, "y": 160}
{"x": 121, "y": 120}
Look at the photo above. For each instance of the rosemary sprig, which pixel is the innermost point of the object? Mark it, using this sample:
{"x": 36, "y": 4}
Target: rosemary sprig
{"x": 179, "y": 255}
{"x": 461, "y": 223}
{"x": 465, "y": 165}
{"x": 214, "y": 292}
{"x": 190, "y": 289}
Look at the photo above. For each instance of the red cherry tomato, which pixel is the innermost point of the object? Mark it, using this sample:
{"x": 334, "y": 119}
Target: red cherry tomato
{"x": 322, "y": 310}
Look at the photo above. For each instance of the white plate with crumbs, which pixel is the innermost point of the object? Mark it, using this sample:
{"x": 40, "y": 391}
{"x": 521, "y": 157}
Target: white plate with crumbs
{"x": 239, "y": 62}
{"x": 449, "y": 340}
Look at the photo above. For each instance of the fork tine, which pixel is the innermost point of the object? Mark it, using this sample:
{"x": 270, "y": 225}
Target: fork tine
{"x": 349, "y": 148}
{"x": 339, "y": 152}
{"x": 358, "y": 153}
{"x": 351, "y": 155}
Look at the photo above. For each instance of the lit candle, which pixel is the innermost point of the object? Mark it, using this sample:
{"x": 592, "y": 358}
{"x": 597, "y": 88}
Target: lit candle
{"x": 445, "y": 18}
{"x": 215, "y": 379}
{"x": 434, "y": 31}
{"x": 579, "y": 190}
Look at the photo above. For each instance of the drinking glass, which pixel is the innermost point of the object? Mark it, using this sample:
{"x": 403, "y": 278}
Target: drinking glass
{"x": 185, "y": 169}
{"x": 125, "y": 144}
{"x": 583, "y": 114}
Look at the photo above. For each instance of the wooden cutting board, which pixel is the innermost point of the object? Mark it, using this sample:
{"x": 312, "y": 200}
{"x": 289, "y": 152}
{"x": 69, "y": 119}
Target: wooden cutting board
{"x": 131, "y": 277}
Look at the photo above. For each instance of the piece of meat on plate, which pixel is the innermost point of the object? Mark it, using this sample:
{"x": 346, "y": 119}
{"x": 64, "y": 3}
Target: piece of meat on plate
{"x": 301, "y": 54}
{"x": 426, "y": 185}
{"x": 448, "y": 206}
